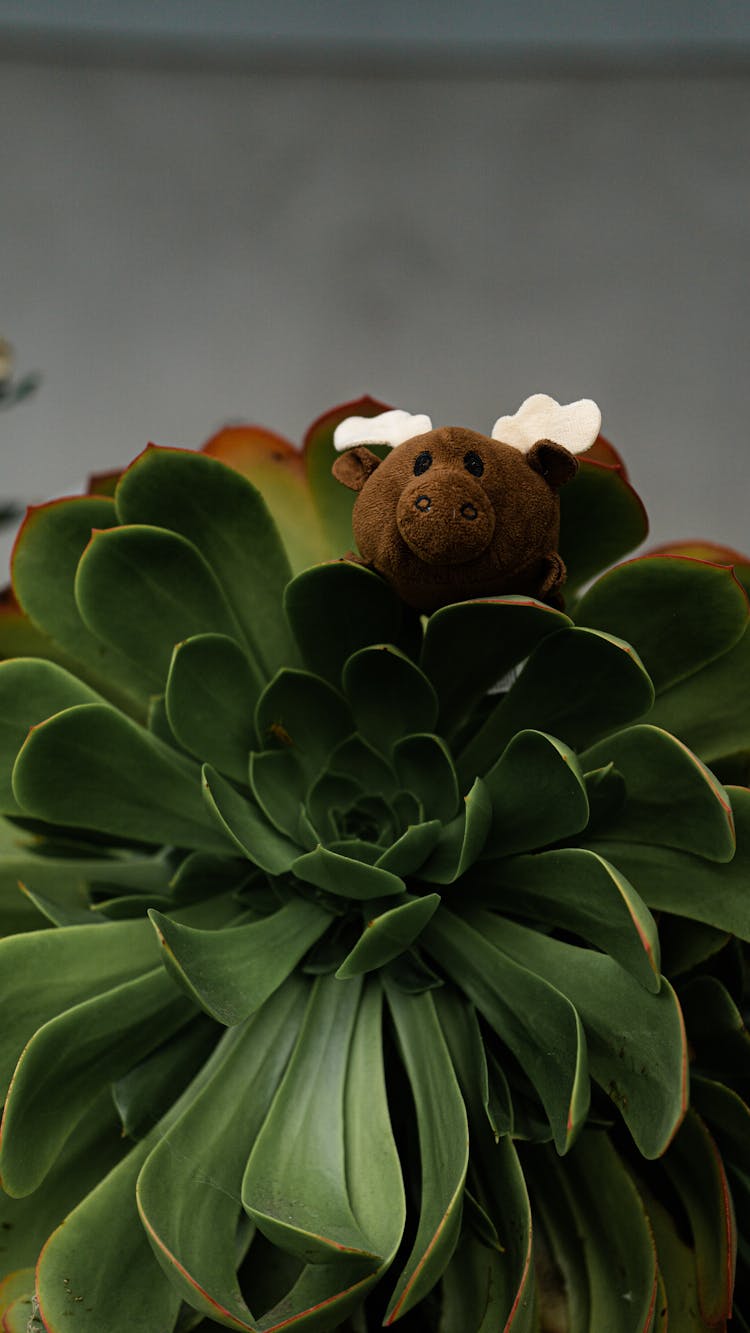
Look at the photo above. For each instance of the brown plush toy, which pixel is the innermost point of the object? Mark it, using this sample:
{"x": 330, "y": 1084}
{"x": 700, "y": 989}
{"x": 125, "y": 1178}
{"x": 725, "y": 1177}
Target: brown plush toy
{"x": 451, "y": 514}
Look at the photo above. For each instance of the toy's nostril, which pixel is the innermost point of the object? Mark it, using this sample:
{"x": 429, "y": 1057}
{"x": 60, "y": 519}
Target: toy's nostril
{"x": 423, "y": 503}
{"x": 468, "y": 511}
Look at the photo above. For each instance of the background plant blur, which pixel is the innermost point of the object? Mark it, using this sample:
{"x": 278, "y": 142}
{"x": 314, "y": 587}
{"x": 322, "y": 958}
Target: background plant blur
{"x": 250, "y": 210}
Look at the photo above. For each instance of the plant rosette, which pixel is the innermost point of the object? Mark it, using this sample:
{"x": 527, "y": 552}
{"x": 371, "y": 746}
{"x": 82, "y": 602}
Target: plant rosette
{"x": 419, "y": 992}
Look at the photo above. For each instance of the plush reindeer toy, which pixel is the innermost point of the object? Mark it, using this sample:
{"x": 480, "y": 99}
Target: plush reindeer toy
{"x": 450, "y": 514}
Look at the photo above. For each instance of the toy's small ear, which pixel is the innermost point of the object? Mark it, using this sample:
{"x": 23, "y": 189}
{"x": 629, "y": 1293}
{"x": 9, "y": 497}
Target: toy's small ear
{"x": 355, "y": 466}
{"x": 553, "y": 462}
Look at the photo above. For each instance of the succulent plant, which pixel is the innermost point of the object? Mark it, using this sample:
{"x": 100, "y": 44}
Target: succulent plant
{"x": 420, "y": 991}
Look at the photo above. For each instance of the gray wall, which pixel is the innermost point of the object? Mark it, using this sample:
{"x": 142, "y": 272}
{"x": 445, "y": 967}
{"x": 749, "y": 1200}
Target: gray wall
{"x": 179, "y": 248}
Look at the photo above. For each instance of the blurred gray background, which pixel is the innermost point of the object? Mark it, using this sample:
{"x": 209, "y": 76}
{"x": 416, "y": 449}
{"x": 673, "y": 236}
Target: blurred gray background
{"x": 228, "y": 211}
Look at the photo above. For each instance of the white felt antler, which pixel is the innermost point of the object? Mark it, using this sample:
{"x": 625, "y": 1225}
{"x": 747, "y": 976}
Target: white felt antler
{"x": 394, "y": 427}
{"x": 576, "y": 425}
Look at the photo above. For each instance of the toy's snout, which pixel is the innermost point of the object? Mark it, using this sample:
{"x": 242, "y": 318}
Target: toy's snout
{"x": 445, "y": 517}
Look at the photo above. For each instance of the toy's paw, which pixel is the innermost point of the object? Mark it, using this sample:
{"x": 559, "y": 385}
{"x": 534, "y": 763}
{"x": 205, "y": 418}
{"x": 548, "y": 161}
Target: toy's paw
{"x": 553, "y": 580}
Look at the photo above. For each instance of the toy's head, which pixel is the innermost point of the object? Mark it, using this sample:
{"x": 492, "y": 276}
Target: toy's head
{"x": 451, "y": 514}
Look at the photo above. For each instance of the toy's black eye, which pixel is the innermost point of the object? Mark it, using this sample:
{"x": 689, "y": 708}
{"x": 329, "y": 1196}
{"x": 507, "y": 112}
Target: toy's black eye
{"x": 421, "y": 463}
{"x": 473, "y": 464}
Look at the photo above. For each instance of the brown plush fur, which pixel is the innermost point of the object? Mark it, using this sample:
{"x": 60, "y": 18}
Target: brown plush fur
{"x": 443, "y": 534}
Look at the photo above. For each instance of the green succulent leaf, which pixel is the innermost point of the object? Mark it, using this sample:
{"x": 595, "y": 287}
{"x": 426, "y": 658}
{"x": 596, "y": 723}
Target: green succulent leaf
{"x": 695, "y": 1169}
{"x": 302, "y": 713}
{"x": 93, "y": 1148}
{"x": 187, "y": 1181}
{"x": 494, "y": 635}
{"x": 462, "y": 840}
{"x": 581, "y": 892}
{"x": 119, "y": 779}
{"x": 602, "y": 519}
{"x": 30, "y": 691}
{"x": 538, "y": 1024}
{"x": 708, "y": 613}
{"x": 226, "y": 519}
{"x": 671, "y": 797}
{"x": 76, "y": 963}
{"x": 716, "y": 1027}
{"x": 70, "y": 1059}
{"x": 710, "y": 710}
{"x": 538, "y": 795}
{"x": 443, "y": 1144}
{"x": 245, "y": 825}
{"x": 389, "y": 696}
{"x": 84, "y": 1259}
{"x": 388, "y": 935}
{"x": 45, "y": 561}
{"x": 145, "y": 1093}
{"x": 497, "y": 1171}
{"x": 211, "y": 694}
{"x": 578, "y": 684}
{"x": 619, "y": 1251}
{"x": 425, "y": 768}
{"x": 636, "y": 1041}
{"x": 143, "y": 590}
{"x": 677, "y": 1269}
{"x": 278, "y": 784}
{"x": 674, "y": 881}
{"x": 231, "y": 973}
{"x": 299, "y": 1153}
{"x": 336, "y": 609}
{"x": 346, "y": 877}
{"x": 411, "y": 849}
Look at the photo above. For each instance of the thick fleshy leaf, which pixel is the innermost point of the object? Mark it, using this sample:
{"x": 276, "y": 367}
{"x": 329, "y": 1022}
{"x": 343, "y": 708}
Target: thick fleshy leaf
{"x": 547, "y": 1180}
{"x": 231, "y": 973}
{"x": 676, "y": 1268}
{"x": 30, "y": 691}
{"x": 727, "y": 1117}
{"x": 70, "y": 1059}
{"x": 211, "y": 695}
{"x": 462, "y": 840}
{"x": 227, "y": 521}
{"x": 388, "y": 935}
{"x": 678, "y": 614}
{"x": 246, "y": 826}
{"x": 472, "y": 1297}
{"x": 277, "y": 469}
{"x": 145, "y": 1093}
{"x": 295, "y": 1186}
{"x": 494, "y": 635}
{"x": 358, "y": 760}
{"x": 389, "y": 696}
{"x": 94, "y": 1147}
{"x": 86, "y": 1259}
{"x": 345, "y": 876}
{"x": 690, "y": 886}
{"x": 443, "y": 1146}
{"x": 671, "y": 800}
{"x": 619, "y": 1251}
{"x": 581, "y": 892}
{"x": 333, "y": 502}
{"x": 497, "y": 1175}
{"x": 302, "y": 713}
{"x": 45, "y": 560}
{"x": 578, "y": 684}
{"x": 338, "y": 608}
{"x": 425, "y": 768}
{"x": 538, "y": 795}
{"x": 278, "y": 783}
{"x": 602, "y": 519}
{"x": 119, "y": 779}
{"x": 324, "y": 1294}
{"x": 636, "y": 1041}
{"x": 696, "y": 1171}
{"x": 77, "y": 962}
{"x": 410, "y": 851}
{"x": 538, "y": 1024}
{"x": 143, "y": 590}
{"x": 189, "y": 1188}
{"x": 716, "y": 1027}
{"x": 710, "y": 710}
